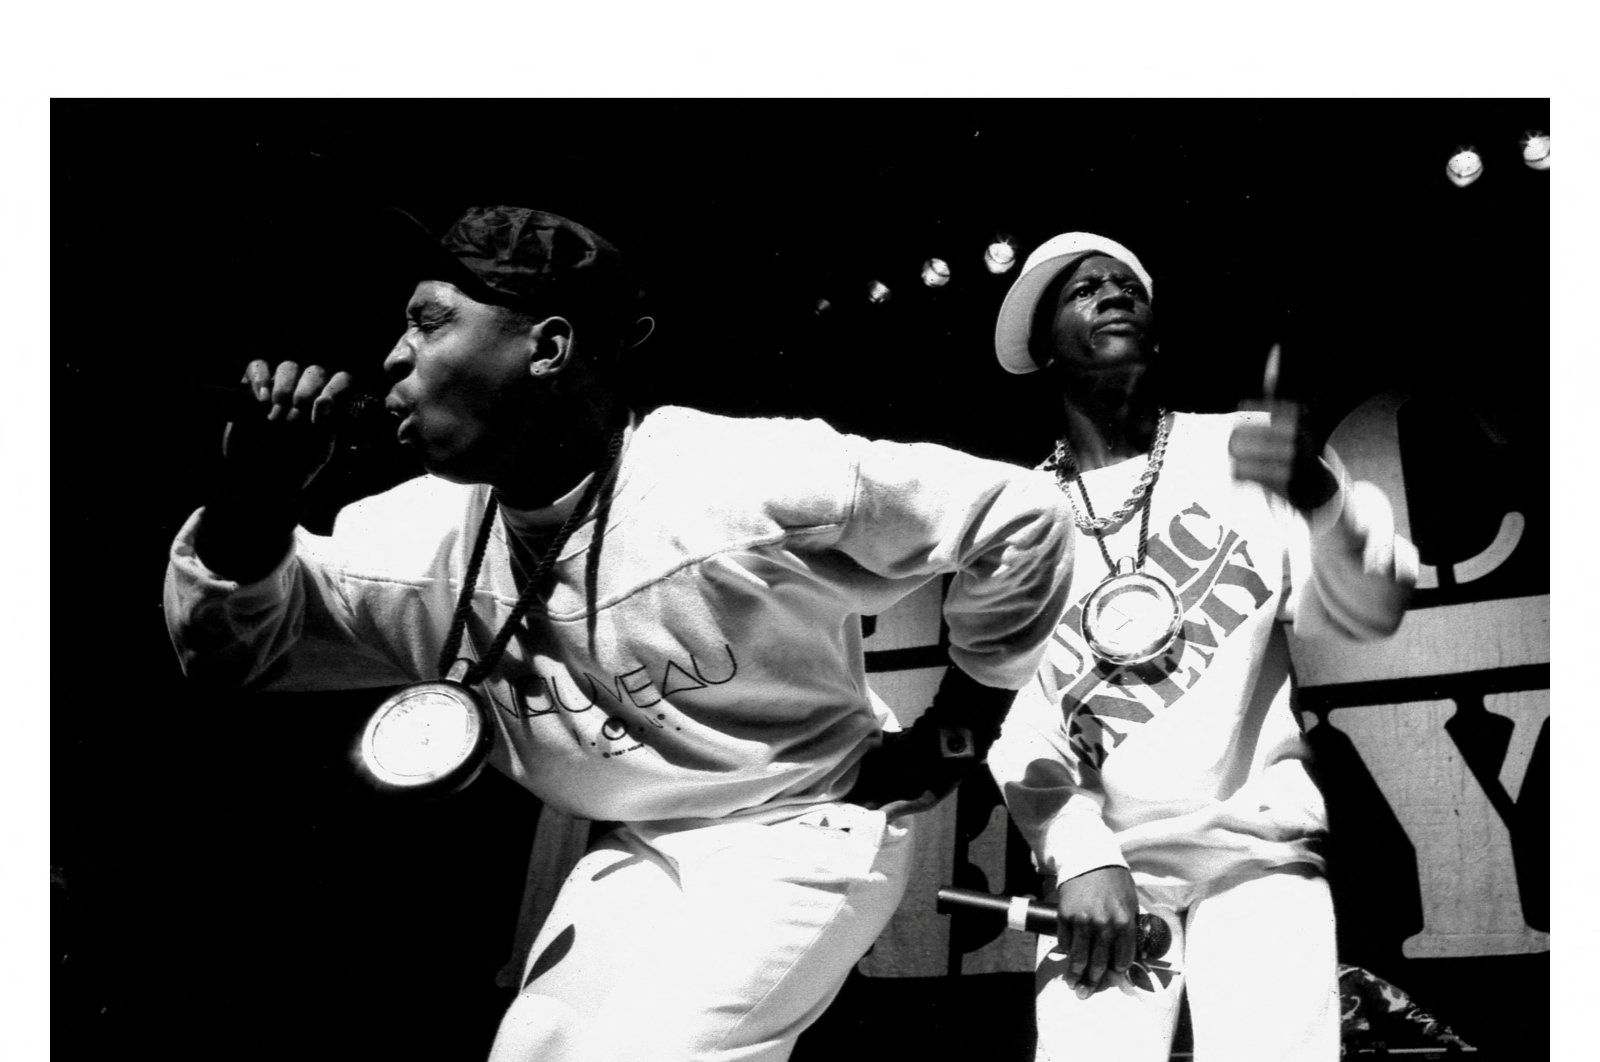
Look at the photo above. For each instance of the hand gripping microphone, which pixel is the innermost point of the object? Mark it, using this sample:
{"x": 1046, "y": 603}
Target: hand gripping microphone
{"x": 1023, "y": 913}
{"x": 365, "y": 420}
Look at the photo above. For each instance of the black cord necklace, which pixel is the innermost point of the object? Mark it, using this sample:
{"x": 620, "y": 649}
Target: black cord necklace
{"x": 434, "y": 736}
{"x": 476, "y": 672}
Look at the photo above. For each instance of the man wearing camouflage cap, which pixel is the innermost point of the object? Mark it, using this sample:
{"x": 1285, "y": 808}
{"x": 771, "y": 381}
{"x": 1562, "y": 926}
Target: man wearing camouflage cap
{"x": 656, "y": 613}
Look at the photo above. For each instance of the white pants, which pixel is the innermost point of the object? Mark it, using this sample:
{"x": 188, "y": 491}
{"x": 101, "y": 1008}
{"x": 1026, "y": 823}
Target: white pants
{"x": 1258, "y": 961}
{"x": 718, "y": 943}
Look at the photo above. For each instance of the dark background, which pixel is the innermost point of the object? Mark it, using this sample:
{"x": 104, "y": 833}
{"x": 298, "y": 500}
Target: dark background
{"x": 221, "y": 883}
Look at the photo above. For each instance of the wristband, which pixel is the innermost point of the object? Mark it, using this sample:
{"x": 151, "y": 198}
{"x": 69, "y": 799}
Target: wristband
{"x": 956, "y": 743}
{"x": 967, "y": 715}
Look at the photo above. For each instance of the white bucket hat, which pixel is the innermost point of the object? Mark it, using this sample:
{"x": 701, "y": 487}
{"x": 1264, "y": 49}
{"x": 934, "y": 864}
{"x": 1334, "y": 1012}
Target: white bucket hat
{"x": 1046, "y": 262}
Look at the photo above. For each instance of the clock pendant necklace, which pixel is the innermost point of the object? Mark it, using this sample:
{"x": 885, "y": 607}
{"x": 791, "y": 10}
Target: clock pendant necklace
{"x": 1130, "y": 617}
{"x": 434, "y": 736}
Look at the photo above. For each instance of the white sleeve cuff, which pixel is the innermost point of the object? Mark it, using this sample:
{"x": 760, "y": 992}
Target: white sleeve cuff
{"x": 1078, "y": 840}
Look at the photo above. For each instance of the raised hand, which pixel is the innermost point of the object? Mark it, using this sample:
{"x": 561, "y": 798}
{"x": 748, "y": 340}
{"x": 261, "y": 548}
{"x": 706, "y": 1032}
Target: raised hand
{"x": 1281, "y": 454}
{"x": 269, "y": 457}
{"x": 289, "y": 440}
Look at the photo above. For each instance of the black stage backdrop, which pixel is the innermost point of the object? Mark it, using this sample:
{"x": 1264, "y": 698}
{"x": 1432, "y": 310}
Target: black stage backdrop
{"x": 220, "y": 882}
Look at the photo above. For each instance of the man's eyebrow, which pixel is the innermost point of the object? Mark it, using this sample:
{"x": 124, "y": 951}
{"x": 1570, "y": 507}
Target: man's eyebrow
{"x": 1107, "y": 273}
{"x": 424, "y": 302}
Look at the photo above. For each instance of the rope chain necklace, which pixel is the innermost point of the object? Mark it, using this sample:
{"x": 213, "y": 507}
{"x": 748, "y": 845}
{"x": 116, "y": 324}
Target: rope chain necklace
{"x": 1130, "y": 617}
{"x": 435, "y": 736}
{"x": 1064, "y": 463}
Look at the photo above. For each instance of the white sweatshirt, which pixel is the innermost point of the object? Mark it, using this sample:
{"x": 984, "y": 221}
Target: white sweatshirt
{"x": 1190, "y": 769}
{"x": 717, "y": 667}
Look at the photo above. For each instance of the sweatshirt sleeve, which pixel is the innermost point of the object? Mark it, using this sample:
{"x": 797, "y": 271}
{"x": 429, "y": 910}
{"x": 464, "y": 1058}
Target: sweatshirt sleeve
{"x": 1052, "y": 796}
{"x": 293, "y": 629}
{"x": 1004, "y": 531}
{"x": 1350, "y": 573}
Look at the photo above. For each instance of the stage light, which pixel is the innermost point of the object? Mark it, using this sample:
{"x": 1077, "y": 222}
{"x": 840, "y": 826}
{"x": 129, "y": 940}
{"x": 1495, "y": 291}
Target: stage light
{"x": 935, "y": 273}
{"x": 1464, "y": 167}
{"x": 1000, "y": 256}
{"x": 879, "y": 292}
{"x": 1536, "y": 151}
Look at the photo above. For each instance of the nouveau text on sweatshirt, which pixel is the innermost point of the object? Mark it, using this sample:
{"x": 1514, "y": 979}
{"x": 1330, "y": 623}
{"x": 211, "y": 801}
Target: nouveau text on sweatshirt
{"x": 712, "y": 665}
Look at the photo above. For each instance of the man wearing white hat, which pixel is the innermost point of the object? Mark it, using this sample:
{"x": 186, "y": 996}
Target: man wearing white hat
{"x": 1155, "y": 761}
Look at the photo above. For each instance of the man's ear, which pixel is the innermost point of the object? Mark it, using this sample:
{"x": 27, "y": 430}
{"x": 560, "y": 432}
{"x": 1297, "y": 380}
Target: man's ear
{"x": 550, "y": 347}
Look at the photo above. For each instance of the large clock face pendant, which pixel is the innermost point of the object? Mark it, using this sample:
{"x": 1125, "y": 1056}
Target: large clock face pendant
{"x": 1130, "y": 617}
{"x": 429, "y": 737}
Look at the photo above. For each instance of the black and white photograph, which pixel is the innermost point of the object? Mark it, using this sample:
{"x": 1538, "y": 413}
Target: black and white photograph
{"x": 746, "y": 580}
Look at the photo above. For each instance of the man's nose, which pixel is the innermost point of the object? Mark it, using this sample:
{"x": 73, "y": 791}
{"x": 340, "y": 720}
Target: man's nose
{"x": 398, "y": 362}
{"x": 1114, "y": 296}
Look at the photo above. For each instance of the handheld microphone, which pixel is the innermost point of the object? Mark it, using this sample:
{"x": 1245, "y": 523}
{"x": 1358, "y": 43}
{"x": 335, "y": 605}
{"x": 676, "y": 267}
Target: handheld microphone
{"x": 1024, "y": 914}
{"x": 364, "y": 420}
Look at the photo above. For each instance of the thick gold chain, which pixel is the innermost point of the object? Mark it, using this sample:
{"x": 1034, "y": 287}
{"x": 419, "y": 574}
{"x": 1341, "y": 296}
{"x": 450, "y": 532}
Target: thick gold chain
{"x": 1064, "y": 463}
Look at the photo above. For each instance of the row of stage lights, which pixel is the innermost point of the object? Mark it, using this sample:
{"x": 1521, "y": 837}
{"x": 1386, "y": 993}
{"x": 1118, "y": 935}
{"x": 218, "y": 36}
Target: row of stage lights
{"x": 998, "y": 258}
{"x": 1464, "y": 167}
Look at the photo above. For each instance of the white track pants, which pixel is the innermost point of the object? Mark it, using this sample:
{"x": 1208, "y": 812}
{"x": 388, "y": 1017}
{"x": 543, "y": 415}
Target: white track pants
{"x": 719, "y": 943}
{"x": 1257, "y": 961}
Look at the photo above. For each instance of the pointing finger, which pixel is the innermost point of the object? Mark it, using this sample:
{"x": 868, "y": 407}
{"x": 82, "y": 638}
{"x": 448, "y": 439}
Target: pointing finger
{"x": 1269, "y": 378}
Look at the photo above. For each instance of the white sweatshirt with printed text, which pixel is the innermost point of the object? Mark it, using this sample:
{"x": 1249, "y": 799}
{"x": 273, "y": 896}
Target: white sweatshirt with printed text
{"x": 1191, "y": 769}
{"x": 715, "y": 666}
